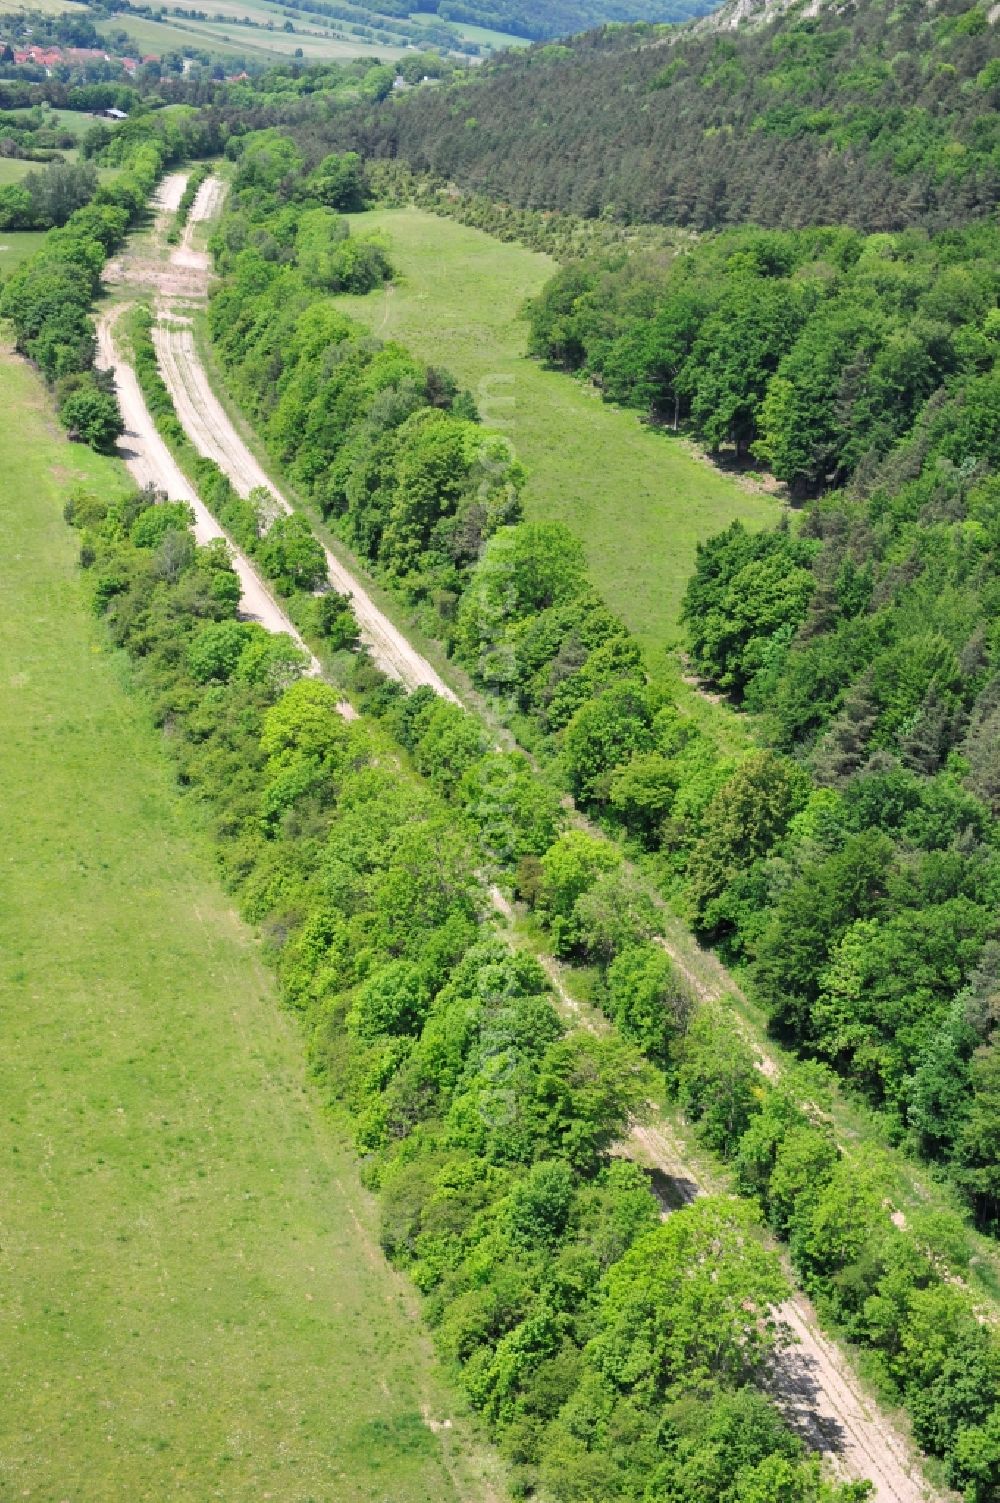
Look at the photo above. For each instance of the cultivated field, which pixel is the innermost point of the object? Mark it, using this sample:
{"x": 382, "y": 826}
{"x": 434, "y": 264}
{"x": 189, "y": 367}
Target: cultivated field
{"x": 228, "y": 39}
{"x": 639, "y": 500}
{"x": 193, "y": 1303}
{"x": 484, "y": 35}
{"x": 46, "y": 7}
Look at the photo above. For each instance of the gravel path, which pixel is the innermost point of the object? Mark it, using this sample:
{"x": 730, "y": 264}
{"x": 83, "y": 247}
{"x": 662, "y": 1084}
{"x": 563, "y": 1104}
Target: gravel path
{"x": 151, "y": 463}
{"x": 211, "y": 431}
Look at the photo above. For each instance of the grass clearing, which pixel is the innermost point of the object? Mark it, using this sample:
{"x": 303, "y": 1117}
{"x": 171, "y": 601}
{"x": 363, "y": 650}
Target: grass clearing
{"x": 485, "y": 35}
{"x": 12, "y": 169}
{"x": 194, "y": 1306}
{"x": 639, "y": 500}
{"x": 16, "y": 246}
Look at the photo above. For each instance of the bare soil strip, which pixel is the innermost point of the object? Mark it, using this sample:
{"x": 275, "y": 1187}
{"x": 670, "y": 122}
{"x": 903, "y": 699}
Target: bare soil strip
{"x": 212, "y": 433}
{"x": 151, "y": 463}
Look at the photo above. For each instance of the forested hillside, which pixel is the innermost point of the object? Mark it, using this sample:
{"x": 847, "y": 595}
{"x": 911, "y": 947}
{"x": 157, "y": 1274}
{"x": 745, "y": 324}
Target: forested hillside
{"x": 874, "y": 116}
{"x": 539, "y": 19}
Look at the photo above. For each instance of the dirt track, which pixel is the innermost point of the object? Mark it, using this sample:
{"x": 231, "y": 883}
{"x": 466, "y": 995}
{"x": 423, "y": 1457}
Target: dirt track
{"x": 151, "y": 463}
{"x": 213, "y": 434}
{"x": 812, "y": 1379}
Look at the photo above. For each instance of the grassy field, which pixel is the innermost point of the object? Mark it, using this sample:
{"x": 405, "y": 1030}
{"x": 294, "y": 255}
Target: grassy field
{"x": 319, "y": 38}
{"x": 228, "y": 40}
{"x": 193, "y": 1306}
{"x": 12, "y": 169}
{"x": 482, "y": 34}
{"x": 46, "y": 7}
{"x": 16, "y": 246}
{"x": 639, "y": 500}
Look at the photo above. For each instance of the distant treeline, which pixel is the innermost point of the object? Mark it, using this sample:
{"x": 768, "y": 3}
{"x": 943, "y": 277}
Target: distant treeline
{"x": 876, "y": 118}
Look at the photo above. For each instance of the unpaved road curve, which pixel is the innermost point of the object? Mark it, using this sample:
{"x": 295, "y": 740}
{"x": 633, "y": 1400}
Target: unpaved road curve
{"x": 151, "y": 463}
{"x": 210, "y": 430}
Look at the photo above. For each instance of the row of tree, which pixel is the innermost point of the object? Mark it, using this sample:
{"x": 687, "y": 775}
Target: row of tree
{"x": 285, "y": 548}
{"x": 816, "y": 350}
{"x": 603, "y": 1348}
{"x": 377, "y": 439}
{"x": 567, "y": 675}
{"x": 565, "y": 237}
{"x": 49, "y": 297}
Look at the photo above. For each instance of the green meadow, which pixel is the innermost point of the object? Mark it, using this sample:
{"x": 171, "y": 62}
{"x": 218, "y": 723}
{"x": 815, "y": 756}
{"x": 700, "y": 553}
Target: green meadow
{"x": 640, "y": 500}
{"x": 16, "y": 246}
{"x": 193, "y": 1304}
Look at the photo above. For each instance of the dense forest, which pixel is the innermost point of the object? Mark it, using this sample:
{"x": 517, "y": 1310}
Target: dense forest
{"x": 541, "y": 19}
{"x": 870, "y": 116}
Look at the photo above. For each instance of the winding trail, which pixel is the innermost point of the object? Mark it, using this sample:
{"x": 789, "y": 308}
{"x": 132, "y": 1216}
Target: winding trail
{"x": 213, "y": 434}
{"x": 151, "y": 463}
{"x": 811, "y": 1378}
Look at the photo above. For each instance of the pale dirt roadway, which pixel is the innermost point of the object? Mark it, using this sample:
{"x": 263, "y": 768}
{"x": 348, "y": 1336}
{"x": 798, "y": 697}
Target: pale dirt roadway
{"x": 151, "y": 463}
{"x": 168, "y": 195}
{"x": 813, "y": 1380}
{"x": 212, "y": 433}
{"x": 210, "y": 430}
